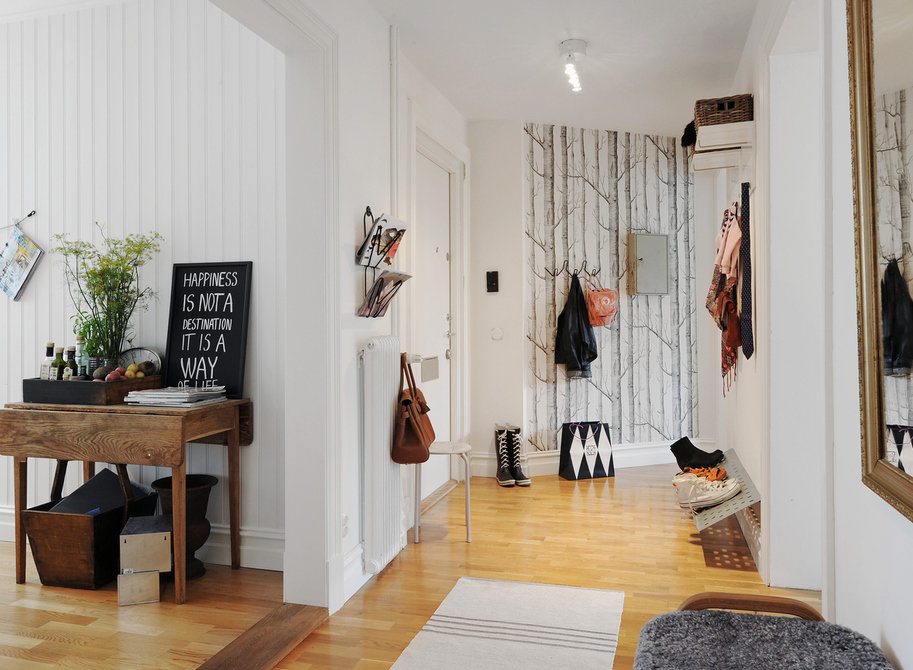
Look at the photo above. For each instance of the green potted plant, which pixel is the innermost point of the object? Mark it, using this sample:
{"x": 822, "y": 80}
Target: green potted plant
{"x": 104, "y": 286}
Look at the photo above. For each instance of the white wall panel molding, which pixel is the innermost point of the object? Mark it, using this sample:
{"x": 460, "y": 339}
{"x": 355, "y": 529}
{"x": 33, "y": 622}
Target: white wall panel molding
{"x": 542, "y": 463}
{"x": 150, "y": 115}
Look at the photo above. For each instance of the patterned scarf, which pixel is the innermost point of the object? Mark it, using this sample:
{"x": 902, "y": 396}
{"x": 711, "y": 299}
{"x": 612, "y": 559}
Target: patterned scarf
{"x": 721, "y": 303}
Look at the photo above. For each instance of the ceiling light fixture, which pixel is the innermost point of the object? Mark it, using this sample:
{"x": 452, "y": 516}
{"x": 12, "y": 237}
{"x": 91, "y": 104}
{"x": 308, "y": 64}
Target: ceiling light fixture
{"x": 573, "y": 50}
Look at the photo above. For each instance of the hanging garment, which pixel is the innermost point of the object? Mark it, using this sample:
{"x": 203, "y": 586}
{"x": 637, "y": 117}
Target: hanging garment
{"x": 746, "y": 329}
{"x": 575, "y": 341}
{"x": 722, "y": 296}
{"x": 897, "y": 321}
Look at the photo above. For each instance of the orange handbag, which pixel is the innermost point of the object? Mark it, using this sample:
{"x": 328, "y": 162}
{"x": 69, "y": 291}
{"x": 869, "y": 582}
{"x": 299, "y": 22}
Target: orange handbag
{"x": 601, "y": 303}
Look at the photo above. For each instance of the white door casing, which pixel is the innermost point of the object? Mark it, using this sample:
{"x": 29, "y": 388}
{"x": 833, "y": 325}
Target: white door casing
{"x": 431, "y": 317}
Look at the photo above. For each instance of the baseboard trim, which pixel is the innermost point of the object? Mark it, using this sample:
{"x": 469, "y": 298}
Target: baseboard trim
{"x": 262, "y": 549}
{"x": 7, "y": 523}
{"x": 353, "y": 571}
{"x": 542, "y": 463}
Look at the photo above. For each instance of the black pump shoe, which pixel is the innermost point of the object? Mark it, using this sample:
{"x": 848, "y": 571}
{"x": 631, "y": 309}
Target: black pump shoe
{"x": 689, "y": 456}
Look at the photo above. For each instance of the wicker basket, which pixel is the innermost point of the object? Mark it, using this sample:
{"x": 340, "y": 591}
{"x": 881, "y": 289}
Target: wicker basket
{"x": 733, "y": 109}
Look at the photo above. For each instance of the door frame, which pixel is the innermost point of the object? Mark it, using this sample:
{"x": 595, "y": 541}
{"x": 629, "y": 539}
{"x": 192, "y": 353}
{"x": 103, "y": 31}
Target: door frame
{"x": 452, "y": 160}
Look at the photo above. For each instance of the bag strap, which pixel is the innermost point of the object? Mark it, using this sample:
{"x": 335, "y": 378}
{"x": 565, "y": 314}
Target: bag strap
{"x": 405, "y": 372}
{"x": 410, "y": 377}
{"x": 594, "y": 283}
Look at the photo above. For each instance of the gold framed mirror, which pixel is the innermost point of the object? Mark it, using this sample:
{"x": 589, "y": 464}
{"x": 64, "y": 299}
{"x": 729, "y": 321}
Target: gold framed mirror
{"x": 880, "y": 37}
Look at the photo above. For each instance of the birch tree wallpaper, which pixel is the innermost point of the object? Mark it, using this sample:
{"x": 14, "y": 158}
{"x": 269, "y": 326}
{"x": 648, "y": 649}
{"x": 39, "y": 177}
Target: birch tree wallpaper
{"x": 585, "y": 191}
{"x": 893, "y": 127}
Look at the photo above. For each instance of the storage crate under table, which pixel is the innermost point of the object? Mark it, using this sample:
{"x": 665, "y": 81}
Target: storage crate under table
{"x": 78, "y": 550}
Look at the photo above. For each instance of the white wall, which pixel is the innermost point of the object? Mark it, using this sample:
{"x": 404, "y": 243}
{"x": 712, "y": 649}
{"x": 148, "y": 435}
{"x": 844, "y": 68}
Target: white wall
{"x": 871, "y": 540}
{"x": 776, "y": 417}
{"x": 498, "y": 333}
{"x": 152, "y": 116}
{"x": 365, "y": 179}
{"x": 798, "y": 328}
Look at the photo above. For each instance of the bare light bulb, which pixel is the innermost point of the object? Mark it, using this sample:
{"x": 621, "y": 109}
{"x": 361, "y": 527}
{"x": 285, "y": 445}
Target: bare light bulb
{"x": 570, "y": 69}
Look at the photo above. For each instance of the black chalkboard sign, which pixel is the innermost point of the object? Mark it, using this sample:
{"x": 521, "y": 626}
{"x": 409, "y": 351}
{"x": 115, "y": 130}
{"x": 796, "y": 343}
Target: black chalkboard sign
{"x": 207, "y": 325}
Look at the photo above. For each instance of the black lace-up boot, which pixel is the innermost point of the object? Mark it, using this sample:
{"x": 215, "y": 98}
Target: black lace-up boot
{"x": 514, "y": 441}
{"x": 502, "y": 444}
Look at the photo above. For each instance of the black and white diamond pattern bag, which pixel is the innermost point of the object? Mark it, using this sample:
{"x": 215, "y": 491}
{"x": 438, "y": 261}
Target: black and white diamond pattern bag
{"x": 586, "y": 451}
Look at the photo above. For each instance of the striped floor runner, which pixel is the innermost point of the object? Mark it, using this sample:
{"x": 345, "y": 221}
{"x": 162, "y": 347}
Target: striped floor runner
{"x": 485, "y": 623}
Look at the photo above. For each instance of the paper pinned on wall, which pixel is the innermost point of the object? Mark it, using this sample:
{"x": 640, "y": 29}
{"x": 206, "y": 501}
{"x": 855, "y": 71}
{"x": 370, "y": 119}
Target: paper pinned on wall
{"x": 18, "y": 259}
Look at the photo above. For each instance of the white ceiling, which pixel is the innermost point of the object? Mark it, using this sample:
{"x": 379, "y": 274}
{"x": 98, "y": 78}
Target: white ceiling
{"x": 647, "y": 62}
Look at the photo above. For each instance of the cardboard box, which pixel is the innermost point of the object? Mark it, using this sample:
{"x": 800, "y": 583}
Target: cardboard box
{"x": 135, "y": 588}
{"x": 145, "y": 544}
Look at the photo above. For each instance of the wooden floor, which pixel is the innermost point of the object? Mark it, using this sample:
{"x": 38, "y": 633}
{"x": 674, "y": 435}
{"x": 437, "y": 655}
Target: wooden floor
{"x": 624, "y": 533}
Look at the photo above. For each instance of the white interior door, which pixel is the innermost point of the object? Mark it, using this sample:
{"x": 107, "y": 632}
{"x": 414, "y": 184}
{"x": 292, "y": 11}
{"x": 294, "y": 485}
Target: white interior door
{"x": 431, "y": 310}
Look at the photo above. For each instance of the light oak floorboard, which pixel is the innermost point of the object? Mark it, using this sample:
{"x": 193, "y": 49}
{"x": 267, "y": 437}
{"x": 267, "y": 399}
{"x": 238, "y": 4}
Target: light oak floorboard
{"x": 624, "y": 533}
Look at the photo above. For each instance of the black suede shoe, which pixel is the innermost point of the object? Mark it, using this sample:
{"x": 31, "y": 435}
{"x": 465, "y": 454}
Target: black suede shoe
{"x": 689, "y": 456}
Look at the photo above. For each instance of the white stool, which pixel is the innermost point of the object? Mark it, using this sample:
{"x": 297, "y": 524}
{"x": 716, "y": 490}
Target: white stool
{"x": 460, "y": 449}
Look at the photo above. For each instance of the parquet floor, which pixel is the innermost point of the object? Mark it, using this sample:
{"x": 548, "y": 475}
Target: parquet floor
{"x": 625, "y": 533}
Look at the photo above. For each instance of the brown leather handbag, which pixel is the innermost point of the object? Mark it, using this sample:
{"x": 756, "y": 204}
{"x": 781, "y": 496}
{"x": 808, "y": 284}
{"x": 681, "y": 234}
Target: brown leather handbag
{"x": 412, "y": 430}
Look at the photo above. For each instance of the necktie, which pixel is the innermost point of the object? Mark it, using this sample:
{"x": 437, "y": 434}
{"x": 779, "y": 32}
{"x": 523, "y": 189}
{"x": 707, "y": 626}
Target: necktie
{"x": 745, "y": 262}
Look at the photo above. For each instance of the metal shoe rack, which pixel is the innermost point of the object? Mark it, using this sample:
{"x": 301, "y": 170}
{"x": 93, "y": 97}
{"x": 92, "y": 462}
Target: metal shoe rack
{"x": 747, "y": 496}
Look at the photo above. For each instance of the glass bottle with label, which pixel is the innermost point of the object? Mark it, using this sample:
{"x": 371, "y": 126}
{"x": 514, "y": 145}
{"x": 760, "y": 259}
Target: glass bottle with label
{"x": 57, "y": 365}
{"x": 45, "y": 371}
{"x": 82, "y": 362}
{"x": 70, "y": 370}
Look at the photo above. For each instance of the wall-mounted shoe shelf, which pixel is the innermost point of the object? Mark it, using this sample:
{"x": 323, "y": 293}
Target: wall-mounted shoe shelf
{"x": 725, "y": 145}
{"x": 746, "y": 497}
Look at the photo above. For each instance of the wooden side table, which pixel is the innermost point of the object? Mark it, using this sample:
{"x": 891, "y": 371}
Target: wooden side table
{"x": 127, "y": 435}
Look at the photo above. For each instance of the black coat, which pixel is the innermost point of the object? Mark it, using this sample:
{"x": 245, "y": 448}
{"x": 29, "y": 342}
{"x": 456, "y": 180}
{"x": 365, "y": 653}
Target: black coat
{"x": 897, "y": 321}
{"x": 575, "y": 341}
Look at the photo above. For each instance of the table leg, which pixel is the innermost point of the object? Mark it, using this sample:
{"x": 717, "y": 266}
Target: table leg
{"x": 234, "y": 494}
{"x": 20, "y": 486}
{"x": 179, "y": 526}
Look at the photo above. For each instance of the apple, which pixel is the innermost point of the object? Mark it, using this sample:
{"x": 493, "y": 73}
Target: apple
{"x": 112, "y": 376}
{"x": 130, "y": 374}
{"x": 121, "y": 370}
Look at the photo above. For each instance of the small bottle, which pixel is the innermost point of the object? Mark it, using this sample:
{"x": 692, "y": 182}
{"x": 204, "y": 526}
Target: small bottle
{"x": 82, "y": 363}
{"x": 45, "y": 372}
{"x": 70, "y": 370}
{"x": 57, "y": 365}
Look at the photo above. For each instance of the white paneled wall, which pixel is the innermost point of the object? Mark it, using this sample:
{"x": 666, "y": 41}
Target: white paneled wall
{"x": 151, "y": 115}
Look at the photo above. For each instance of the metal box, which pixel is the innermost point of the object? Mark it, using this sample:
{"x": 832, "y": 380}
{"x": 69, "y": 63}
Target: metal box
{"x": 648, "y": 264}
{"x": 145, "y": 544}
{"x": 138, "y": 587}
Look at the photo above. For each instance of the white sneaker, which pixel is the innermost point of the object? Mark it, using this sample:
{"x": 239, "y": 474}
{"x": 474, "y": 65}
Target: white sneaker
{"x": 696, "y": 492}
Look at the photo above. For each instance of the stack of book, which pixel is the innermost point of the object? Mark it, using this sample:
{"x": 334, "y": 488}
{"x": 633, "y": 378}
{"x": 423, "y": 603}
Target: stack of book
{"x": 175, "y": 396}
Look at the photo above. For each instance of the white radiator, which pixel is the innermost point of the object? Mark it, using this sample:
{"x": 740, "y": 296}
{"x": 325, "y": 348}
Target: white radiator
{"x": 382, "y": 480}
